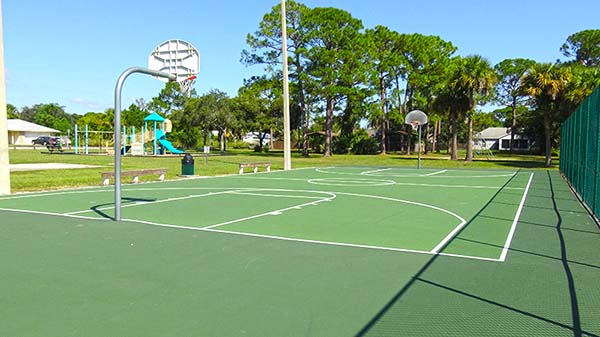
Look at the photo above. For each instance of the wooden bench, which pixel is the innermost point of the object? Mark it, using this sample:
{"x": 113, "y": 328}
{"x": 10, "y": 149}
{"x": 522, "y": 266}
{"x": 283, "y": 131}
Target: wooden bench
{"x": 135, "y": 174}
{"x": 255, "y": 166}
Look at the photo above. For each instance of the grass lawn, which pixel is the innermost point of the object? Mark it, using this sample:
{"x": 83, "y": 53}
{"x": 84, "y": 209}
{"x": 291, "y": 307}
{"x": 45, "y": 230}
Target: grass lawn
{"x": 217, "y": 164}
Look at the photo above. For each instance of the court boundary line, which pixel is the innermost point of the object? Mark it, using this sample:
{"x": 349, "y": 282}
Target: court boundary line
{"x": 94, "y": 188}
{"x": 396, "y": 183}
{"x": 209, "y": 229}
{"x": 434, "y": 173}
{"x": 513, "y": 227}
{"x": 243, "y": 190}
{"x": 327, "y": 243}
{"x": 54, "y": 214}
{"x": 366, "y": 173}
{"x": 411, "y": 175}
{"x": 236, "y": 190}
{"x": 230, "y": 190}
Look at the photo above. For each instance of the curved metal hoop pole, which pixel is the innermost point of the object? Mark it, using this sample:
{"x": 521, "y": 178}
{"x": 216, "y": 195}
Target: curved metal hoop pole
{"x": 117, "y": 126}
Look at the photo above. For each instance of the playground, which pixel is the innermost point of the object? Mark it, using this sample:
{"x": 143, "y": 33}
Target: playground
{"x": 332, "y": 251}
{"x": 151, "y": 139}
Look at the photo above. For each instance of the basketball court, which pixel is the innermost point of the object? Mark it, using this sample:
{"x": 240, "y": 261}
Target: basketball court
{"x": 332, "y": 251}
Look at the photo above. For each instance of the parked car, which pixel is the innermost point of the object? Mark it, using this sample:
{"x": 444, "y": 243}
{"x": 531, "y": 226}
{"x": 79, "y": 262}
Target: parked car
{"x": 41, "y": 140}
{"x": 54, "y": 143}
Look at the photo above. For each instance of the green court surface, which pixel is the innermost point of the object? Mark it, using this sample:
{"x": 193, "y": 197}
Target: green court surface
{"x": 333, "y": 251}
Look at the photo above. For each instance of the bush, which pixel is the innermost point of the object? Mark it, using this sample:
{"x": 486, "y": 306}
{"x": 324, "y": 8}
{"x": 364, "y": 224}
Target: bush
{"x": 363, "y": 144}
{"x": 342, "y": 144}
{"x": 238, "y": 144}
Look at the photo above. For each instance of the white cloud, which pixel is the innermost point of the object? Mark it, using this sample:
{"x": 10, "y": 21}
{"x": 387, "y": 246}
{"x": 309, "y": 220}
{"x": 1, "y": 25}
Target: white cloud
{"x": 86, "y": 103}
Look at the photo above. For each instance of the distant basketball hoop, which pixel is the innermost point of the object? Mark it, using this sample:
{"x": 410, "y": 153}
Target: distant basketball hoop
{"x": 417, "y": 118}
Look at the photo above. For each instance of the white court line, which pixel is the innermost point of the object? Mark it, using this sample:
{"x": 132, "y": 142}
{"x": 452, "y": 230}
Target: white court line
{"x": 95, "y": 189}
{"x": 206, "y": 229}
{"x": 397, "y": 183}
{"x": 275, "y": 212}
{"x": 374, "y": 171}
{"x": 327, "y": 243}
{"x": 47, "y": 194}
{"x": 413, "y": 175}
{"x": 448, "y": 237}
{"x": 274, "y": 195}
{"x": 141, "y": 203}
{"x": 434, "y": 173}
{"x": 515, "y": 221}
{"x": 53, "y": 214}
{"x": 404, "y": 201}
{"x": 247, "y": 234}
{"x": 510, "y": 235}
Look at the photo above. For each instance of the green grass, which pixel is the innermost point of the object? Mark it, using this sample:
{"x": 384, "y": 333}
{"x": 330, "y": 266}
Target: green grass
{"x": 22, "y": 181}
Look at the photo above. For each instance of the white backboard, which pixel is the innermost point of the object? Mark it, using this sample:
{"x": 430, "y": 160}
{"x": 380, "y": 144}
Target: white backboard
{"x": 177, "y": 57}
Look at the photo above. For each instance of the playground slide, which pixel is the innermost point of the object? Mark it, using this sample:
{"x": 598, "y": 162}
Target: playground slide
{"x": 167, "y": 144}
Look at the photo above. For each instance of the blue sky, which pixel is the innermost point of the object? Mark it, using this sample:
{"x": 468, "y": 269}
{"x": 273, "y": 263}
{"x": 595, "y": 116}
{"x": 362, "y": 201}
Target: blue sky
{"x": 71, "y": 52}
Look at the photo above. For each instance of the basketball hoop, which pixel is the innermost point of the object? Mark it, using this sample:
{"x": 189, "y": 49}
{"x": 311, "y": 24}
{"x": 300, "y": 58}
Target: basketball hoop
{"x": 416, "y": 118}
{"x": 179, "y": 58}
{"x": 185, "y": 86}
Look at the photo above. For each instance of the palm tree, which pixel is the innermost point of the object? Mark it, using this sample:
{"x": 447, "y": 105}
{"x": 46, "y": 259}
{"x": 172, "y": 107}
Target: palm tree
{"x": 448, "y": 103}
{"x": 547, "y": 86}
{"x": 474, "y": 79}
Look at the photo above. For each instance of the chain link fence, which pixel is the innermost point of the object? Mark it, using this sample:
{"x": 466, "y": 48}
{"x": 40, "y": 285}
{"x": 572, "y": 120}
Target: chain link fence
{"x": 580, "y": 151}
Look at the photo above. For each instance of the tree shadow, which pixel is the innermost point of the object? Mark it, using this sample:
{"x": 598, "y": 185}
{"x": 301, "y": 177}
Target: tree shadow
{"x": 583, "y": 264}
{"x": 533, "y": 224}
{"x": 418, "y": 277}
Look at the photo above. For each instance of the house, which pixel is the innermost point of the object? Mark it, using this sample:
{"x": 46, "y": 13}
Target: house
{"x": 499, "y": 139}
{"x": 21, "y": 132}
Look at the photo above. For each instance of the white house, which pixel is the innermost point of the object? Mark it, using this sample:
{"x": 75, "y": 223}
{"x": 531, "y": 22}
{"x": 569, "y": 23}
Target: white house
{"x": 21, "y": 132}
{"x": 499, "y": 139}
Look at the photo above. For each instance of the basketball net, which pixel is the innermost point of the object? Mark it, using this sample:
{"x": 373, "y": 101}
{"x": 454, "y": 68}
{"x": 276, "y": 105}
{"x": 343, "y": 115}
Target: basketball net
{"x": 185, "y": 86}
{"x": 415, "y": 125}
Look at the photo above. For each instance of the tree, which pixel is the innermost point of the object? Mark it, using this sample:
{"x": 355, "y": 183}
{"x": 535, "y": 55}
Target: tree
{"x": 423, "y": 66}
{"x": 12, "y": 112}
{"x": 584, "y": 46}
{"x": 206, "y": 113}
{"x": 221, "y": 117}
{"x": 133, "y": 116}
{"x": 450, "y": 103}
{"x": 265, "y": 48}
{"x": 508, "y": 89}
{"x": 583, "y": 83}
{"x": 484, "y": 120}
{"x": 97, "y": 121}
{"x": 475, "y": 79}
{"x": 258, "y": 106}
{"x": 51, "y": 115}
{"x": 169, "y": 100}
{"x": 546, "y": 84}
{"x": 335, "y": 44}
{"x": 382, "y": 59}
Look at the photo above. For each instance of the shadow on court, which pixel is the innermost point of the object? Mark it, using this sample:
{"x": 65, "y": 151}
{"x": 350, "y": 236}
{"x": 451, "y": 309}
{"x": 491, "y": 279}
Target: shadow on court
{"x": 100, "y": 209}
{"x": 474, "y": 298}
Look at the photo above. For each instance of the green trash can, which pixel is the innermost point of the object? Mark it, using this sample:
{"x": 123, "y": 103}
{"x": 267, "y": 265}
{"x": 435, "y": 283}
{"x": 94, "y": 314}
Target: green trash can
{"x": 187, "y": 165}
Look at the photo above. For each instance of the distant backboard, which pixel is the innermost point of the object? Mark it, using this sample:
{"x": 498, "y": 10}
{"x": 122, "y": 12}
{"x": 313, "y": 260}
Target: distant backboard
{"x": 416, "y": 118}
{"x": 176, "y": 57}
